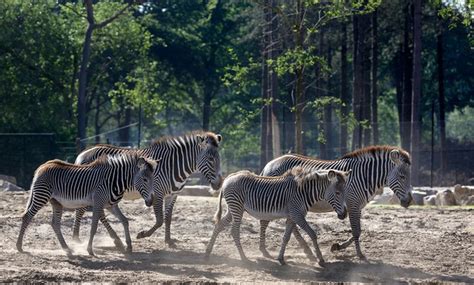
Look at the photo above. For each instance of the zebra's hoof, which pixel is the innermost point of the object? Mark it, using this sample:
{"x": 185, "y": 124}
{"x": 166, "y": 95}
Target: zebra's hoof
{"x": 281, "y": 261}
{"x": 142, "y": 235}
{"x": 128, "y": 249}
{"x": 90, "y": 251}
{"x": 335, "y": 247}
{"x": 20, "y": 249}
{"x": 362, "y": 257}
{"x": 265, "y": 253}
{"x": 171, "y": 243}
{"x": 322, "y": 263}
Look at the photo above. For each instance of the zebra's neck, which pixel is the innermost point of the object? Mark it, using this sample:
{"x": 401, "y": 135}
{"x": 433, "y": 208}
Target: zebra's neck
{"x": 121, "y": 172}
{"x": 178, "y": 158}
{"x": 369, "y": 172}
{"x": 313, "y": 191}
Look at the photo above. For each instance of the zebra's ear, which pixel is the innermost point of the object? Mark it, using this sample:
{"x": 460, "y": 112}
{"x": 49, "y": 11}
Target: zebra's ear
{"x": 154, "y": 163}
{"x": 200, "y": 138}
{"x": 395, "y": 156}
{"x": 141, "y": 163}
{"x": 219, "y": 138}
{"x": 332, "y": 176}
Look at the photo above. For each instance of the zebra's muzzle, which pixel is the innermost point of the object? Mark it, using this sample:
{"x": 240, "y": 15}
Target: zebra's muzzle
{"x": 343, "y": 215}
{"x": 406, "y": 202}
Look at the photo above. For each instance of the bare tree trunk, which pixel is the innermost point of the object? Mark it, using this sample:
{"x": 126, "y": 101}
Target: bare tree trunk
{"x": 398, "y": 71}
{"x": 86, "y": 51}
{"x": 407, "y": 78}
{"x": 299, "y": 88}
{"x": 374, "y": 91}
{"x": 264, "y": 116}
{"x": 441, "y": 98}
{"x": 364, "y": 50}
{"x": 273, "y": 84}
{"x": 321, "y": 124}
{"x": 357, "y": 88}
{"x": 344, "y": 92}
{"x": 416, "y": 114}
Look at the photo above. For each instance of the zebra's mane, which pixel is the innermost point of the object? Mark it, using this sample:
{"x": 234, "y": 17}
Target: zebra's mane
{"x": 191, "y": 135}
{"x": 301, "y": 174}
{"x": 101, "y": 160}
{"x": 377, "y": 149}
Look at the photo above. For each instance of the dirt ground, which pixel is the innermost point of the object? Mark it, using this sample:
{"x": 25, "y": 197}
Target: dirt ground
{"x": 403, "y": 245}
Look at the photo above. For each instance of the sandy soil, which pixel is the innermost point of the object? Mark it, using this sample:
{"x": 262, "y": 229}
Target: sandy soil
{"x": 414, "y": 245}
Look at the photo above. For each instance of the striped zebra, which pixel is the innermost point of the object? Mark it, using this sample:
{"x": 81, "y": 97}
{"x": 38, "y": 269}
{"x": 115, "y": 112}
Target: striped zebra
{"x": 289, "y": 196}
{"x": 372, "y": 168}
{"x": 100, "y": 185}
{"x": 180, "y": 157}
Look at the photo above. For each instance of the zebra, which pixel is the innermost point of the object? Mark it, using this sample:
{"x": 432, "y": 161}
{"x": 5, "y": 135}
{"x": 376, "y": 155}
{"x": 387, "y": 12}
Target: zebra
{"x": 372, "y": 168}
{"x": 287, "y": 196}
{"x": 100, "y": 184}
{"x": 180, "y": 157}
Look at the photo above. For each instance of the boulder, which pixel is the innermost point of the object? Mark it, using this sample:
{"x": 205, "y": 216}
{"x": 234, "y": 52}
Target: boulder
{"x": 197, "y": 190}
{"x": 429, "y": 200}
{"x": 462, "y": 193}
{"x": 8, "y": 178}
{"x": 418, "y": 197}
{"x": 7, "y": 186}
{"x": 445, "y": 198}
{"x": 469, "y": 201}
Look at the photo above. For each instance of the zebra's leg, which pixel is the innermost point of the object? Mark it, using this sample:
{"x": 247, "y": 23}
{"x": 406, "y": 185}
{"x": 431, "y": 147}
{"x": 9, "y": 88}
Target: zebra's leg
{"x": 219, "y": 227}
{"x": 118, "y": 213}
{"x": 286, "y": 237}
{"x": 158, "y": 209}
{"x": 169, "y": 201}
{"x": 56, "y": 224}
{"x": 235, "y": 231}
{"x": 263, "y": 246}
{"x": 303, "y": 224}
{"x": 34, "y": 205}
{"x": 118, "y": 243}
{"x": 97, "y": 213}
{"x": 354, "y": 218}
{"x": 77, "y": 224}
{"x": 307, "y": 250}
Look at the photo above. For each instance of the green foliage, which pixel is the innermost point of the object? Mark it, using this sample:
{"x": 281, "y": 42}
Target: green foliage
{"x": 460, "y": 125}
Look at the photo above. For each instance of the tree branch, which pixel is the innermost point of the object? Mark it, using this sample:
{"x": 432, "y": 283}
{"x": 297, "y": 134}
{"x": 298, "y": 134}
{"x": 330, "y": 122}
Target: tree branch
{"x": 115, "y": 16}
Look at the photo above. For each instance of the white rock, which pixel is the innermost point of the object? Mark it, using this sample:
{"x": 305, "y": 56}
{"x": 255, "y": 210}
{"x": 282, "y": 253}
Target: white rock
{"x": 7, "y": 186}
{"x": 446, "y": 198}
{"x": 429, "y": 200}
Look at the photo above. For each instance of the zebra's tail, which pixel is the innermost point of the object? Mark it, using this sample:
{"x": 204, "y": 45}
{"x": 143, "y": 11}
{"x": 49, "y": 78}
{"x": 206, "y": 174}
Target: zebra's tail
{"x": 218, "y": 214}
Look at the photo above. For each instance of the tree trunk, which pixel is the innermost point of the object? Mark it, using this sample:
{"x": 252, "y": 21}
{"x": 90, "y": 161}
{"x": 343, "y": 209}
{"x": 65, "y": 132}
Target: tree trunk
{"x": 374, "y": 91}
{"x": 86, "y": 51}
{"x": 344, "y": 92}
{"x": 441, "y": 99}
{"x": 356, "y": 97}
{"x": 416, "y": 114}
{"x": 273, "y": 84}
{"x": 398, "y": 72}
{"x": 321, "y": 123}
{"x": 299, "y": 88}
{"x": 364, "y": 50}
{"x": 206, "y": 107}
{"x": 407, "y": 79}
{"x": 264, "y": 116}
{"x": 124, "y": 132}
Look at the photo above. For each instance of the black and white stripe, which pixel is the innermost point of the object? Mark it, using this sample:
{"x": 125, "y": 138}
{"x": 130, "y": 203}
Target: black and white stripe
{"x": 180, "y": 157}
{"x": 98, "y": 185}
{"x": 288, "y": 196}
{"x": 372, "y": 169}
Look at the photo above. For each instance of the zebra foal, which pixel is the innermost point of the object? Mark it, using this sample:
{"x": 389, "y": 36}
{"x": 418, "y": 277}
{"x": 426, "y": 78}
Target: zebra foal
{"x": 100, "y": 184}
{"x": 287, "y": 196}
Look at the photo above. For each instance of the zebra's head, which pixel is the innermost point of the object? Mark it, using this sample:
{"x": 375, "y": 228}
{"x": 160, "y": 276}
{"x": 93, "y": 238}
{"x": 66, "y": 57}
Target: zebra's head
{"x": 334, "y": 194}
{"x": 208, "y": 159}
{"x": 143, "y": 179}
{"x": 398, "y": 178}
